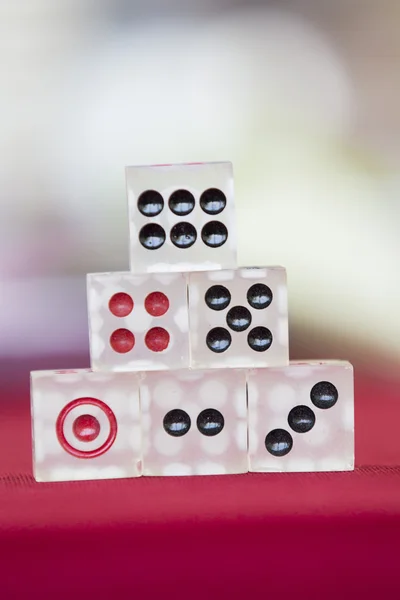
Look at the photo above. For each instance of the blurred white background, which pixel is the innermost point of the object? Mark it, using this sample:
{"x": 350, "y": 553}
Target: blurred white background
{"x": 302, "y": 96}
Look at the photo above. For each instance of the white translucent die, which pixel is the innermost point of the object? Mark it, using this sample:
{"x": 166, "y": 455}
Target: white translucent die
{"x": 273, "y": 393}
{"x": 101, "y": 288}
{"x": 64, "y": 396}
{"x": 194, "y": 453}
{"x": 166, "y": 179}
{"x": 274, "y": 317}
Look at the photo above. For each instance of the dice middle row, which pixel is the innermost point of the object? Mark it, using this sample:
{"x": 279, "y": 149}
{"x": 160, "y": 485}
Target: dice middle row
{"x": 167, "y": 321}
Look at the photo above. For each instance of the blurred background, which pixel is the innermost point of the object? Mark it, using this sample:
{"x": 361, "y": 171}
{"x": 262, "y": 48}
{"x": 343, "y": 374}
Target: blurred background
{"x": 302, "y": 96}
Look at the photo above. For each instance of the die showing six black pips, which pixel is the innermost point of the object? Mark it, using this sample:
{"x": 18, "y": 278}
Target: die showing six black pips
{"x": 183, "y": 234}
{"x": 301, "y": 419}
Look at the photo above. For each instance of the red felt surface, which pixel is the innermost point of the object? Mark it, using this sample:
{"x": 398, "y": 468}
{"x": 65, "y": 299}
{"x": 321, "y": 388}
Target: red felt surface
{"x": 308, "y": 536}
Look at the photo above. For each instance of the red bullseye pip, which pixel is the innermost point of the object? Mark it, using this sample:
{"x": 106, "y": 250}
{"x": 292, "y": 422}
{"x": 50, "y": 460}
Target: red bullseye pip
{"x": 86, "y": 428}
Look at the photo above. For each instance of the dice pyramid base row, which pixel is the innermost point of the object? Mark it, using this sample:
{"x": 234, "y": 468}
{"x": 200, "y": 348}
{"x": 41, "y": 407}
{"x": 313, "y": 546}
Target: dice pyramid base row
{"x": 97, "y": 425}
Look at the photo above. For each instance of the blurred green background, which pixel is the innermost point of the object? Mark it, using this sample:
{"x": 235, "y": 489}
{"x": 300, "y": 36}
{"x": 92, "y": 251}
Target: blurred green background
{"x": 302, "y": 96}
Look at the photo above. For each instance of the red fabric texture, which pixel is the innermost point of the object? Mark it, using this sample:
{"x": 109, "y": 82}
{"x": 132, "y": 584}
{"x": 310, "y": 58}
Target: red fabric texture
{"x": 326, "y": 536}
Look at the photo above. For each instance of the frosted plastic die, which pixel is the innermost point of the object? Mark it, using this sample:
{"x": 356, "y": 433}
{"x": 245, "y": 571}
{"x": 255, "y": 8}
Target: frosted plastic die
{"x": 181, "y": 217}
{"x": 194, "y": 422}
{"x": 85, "y": 425}
{"x": 238, "y": 318}
{"x": 301, "y": 417}
{"x": 138, "y": 322}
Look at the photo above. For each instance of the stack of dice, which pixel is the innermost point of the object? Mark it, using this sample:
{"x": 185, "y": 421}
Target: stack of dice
{"x": 190, "y": 371}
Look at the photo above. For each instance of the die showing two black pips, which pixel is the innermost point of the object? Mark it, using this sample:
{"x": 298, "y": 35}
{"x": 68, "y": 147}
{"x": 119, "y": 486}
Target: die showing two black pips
{"x": 238, "y": 318}
{"x": 183, "y": 234}
{"x": 177, "y": 422}
{"x": 301, "y": 419}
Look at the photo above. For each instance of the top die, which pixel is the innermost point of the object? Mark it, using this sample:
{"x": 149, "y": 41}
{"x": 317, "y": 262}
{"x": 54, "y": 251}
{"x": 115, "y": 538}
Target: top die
{"x": 181, "y": 217}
